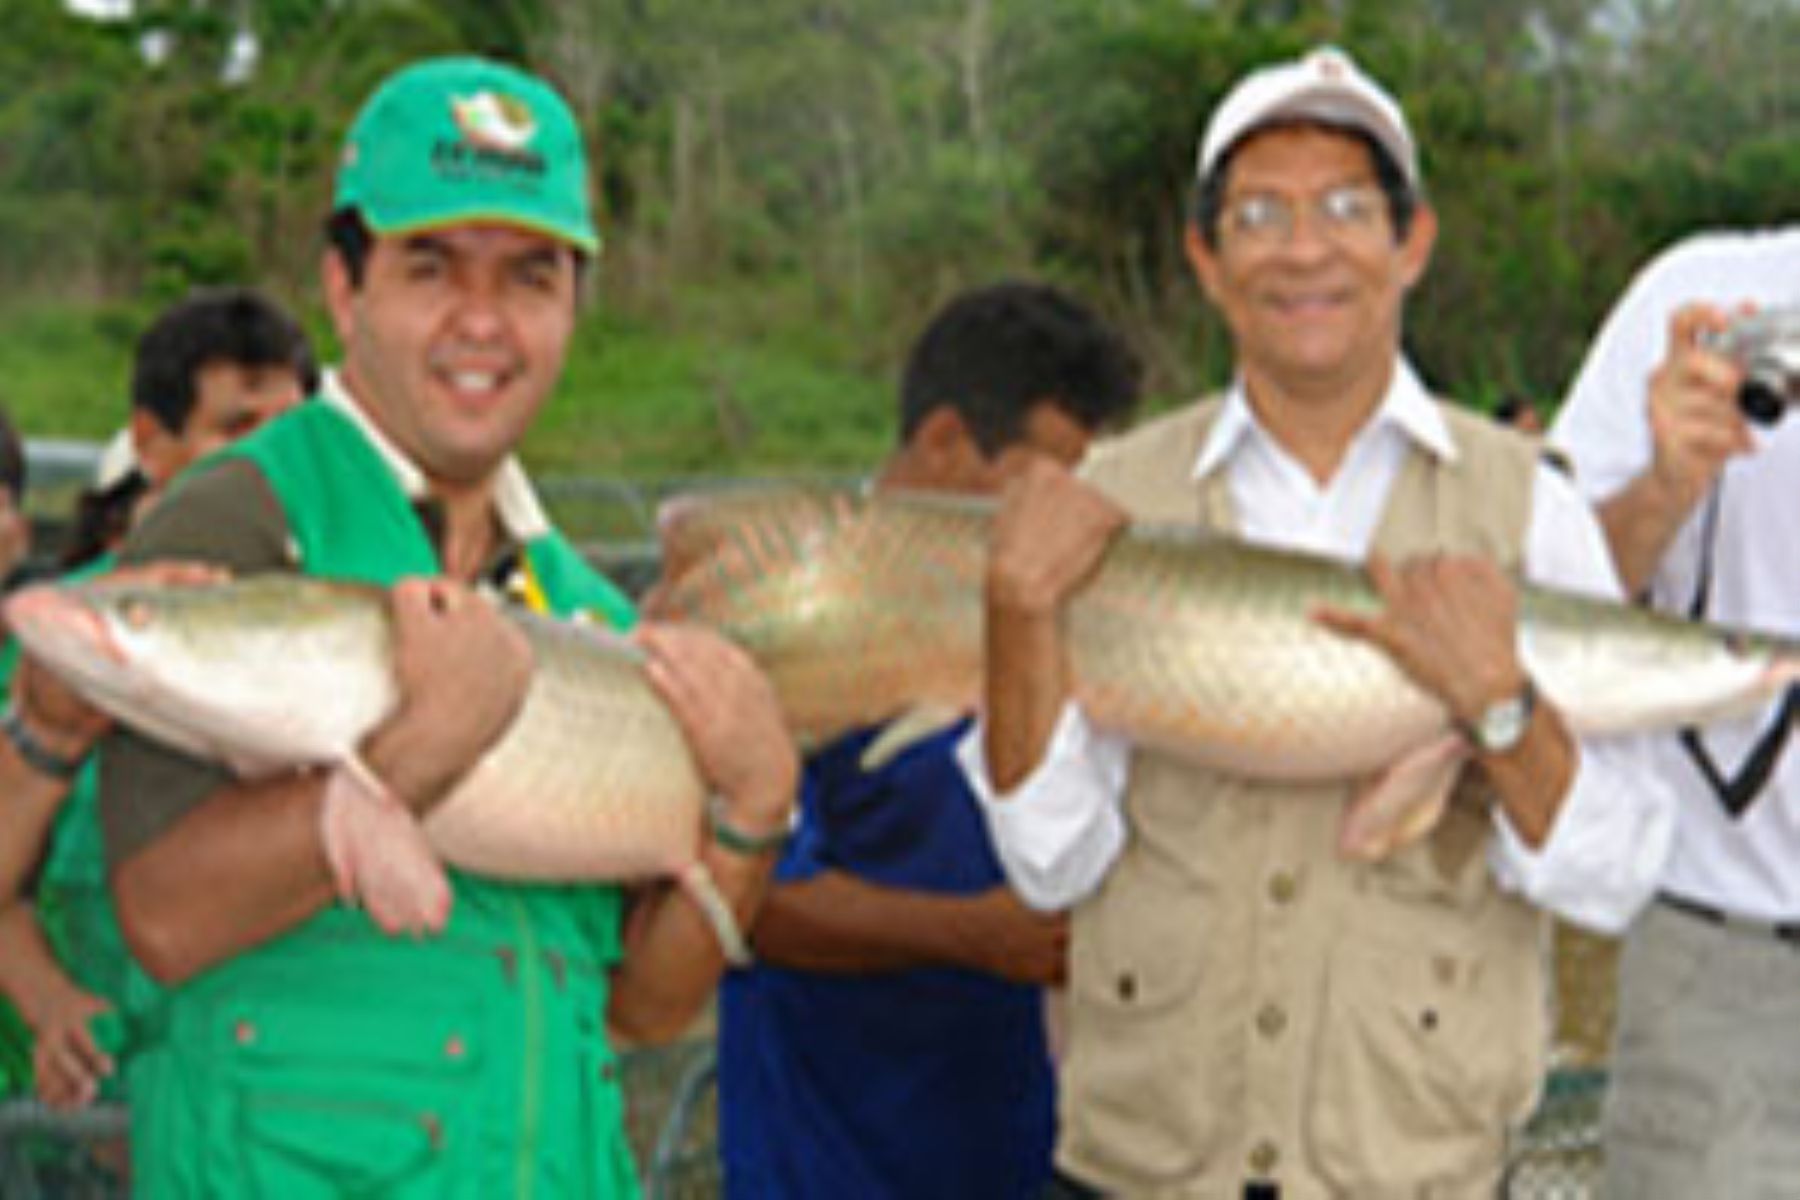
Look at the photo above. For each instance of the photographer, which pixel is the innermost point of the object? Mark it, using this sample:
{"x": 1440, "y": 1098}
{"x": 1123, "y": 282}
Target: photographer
{"x": 1696, "y": 500}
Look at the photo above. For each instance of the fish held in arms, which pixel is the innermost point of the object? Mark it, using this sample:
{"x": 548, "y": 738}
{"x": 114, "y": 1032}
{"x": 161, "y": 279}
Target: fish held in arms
{"x": 859, "y": 606}
{"x": 591, "y": 781}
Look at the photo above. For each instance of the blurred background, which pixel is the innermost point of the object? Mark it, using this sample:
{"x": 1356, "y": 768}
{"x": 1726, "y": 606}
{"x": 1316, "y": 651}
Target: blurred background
{"x": 789, "y": 186}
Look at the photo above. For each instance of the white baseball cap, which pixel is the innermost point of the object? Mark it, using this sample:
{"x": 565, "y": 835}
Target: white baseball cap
{"x": 1324, "y": 86}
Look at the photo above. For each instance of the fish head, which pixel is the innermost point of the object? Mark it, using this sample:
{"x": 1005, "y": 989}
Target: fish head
{"x": 226, "y": 671}
{"x": 65, "y": 630}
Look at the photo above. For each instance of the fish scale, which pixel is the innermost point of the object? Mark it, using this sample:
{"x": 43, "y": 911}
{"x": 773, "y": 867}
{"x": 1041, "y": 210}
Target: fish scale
{"x": 858, "y": 608}
{"x": 1197, "y": 643}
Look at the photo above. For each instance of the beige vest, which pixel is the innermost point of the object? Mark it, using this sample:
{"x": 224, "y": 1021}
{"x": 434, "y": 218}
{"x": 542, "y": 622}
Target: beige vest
{"x": 1246, "y": 1005}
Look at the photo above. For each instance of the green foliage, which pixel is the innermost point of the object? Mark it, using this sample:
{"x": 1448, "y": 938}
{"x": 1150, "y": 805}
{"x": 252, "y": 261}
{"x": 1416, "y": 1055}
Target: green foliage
{"x": 791, "y": 185}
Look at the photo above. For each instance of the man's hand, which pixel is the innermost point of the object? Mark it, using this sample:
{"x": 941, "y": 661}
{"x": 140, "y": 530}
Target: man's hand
{"x": 731, "y": 719}
{"x": 1049, "y": 535}
{"x": 1695, "y": 421}
{"x": 1449, "y": 622}
{"x": 463, "y": 672}
{"x": 68, "y": 1063}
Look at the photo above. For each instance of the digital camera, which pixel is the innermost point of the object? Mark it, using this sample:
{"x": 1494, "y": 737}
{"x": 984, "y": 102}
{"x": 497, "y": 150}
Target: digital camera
{"x": 1767, "y": 345}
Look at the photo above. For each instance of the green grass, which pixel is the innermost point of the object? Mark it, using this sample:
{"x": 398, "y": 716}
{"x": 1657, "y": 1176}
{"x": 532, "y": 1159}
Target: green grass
{"x": 645, "y": 402}
{"x": 638, "y": 400}
{"x": 68, "y": 370}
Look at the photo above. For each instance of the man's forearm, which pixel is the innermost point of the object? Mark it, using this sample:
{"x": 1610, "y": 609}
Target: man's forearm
{"x": 1027, "y": 686}
{"x": 836, "y": 922}
{"x": 673, "y": 957}
{"x": 1640, "y": 521}
{"x": 1534, "y": 777}
{"x": 242, "y": 867}
{"x": 30, "y": 976}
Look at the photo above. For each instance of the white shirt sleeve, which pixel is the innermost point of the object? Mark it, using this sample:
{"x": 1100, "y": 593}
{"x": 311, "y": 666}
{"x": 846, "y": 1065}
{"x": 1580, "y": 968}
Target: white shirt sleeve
{"x": 1060, "y": 830}
{"x": 1603, "y": 426}
{"x": 1607, "y": 846}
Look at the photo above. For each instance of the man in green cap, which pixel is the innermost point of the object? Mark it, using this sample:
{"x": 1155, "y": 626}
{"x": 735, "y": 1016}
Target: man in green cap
{"x": 294, "y": 1049}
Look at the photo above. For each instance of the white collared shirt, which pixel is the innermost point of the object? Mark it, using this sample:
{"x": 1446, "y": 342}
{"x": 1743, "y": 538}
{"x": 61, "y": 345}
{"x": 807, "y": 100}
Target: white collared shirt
{"x": 1750, "y": 864}
{"x": 1060, "y": 831}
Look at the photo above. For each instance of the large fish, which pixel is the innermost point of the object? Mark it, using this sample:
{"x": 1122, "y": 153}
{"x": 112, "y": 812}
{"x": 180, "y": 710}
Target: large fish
{"x": 1195, "y": 643}
{"x": 858, "y": 608}
{"x": 591, "y": 781}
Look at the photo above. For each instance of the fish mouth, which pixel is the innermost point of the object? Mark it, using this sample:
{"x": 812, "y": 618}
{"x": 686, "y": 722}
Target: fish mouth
{"x": 60, "y": 629}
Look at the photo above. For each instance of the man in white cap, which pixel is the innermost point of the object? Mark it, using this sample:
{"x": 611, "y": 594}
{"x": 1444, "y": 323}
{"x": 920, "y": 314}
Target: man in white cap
{"x": 1253, "y": 1011}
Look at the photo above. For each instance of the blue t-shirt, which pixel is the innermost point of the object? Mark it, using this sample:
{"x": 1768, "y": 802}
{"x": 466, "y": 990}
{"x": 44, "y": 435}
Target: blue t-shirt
{"x": 934, "y": 1082}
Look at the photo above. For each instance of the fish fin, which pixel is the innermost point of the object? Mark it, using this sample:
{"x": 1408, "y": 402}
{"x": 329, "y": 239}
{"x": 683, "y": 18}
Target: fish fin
{"x": 908, "y": 729}
{"x": 379, "y": 856}
{"x": 1402, "y": 803}
{"x": 698, "y": 882}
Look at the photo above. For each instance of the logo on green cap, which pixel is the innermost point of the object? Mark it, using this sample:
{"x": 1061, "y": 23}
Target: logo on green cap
{"x": 496, "y": 133}
{"x": 494, "y": 121}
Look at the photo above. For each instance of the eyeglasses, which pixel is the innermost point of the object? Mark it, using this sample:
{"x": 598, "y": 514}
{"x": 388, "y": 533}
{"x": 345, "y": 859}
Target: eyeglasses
{"x": 1349, "y": 212}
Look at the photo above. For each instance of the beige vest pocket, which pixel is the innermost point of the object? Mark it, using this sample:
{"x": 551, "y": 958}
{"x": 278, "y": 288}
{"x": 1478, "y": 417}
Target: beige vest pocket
{"x": 1426, "y": 1053}
{"x": 1148, "y": 1087}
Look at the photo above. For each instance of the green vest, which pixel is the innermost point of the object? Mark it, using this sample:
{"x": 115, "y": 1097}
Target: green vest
{"x": 72, "y": 903}
{"x": 337, "y": 1061}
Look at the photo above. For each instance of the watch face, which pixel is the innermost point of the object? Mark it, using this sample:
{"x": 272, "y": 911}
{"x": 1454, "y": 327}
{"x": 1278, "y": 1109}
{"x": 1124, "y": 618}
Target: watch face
{"x": 1503, "y": 724}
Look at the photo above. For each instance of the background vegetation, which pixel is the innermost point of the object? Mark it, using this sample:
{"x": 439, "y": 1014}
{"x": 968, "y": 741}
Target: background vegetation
{"x": 791, "y": 185}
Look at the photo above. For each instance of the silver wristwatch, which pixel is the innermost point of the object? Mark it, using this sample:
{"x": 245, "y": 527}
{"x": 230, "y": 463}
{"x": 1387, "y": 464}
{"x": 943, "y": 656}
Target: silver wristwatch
{"x": 1502, "y": 724}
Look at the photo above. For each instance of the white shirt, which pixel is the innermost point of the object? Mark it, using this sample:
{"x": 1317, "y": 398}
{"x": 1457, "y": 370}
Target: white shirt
{"x": 1751, "y": 865}
{"x": 1062, "y": 828}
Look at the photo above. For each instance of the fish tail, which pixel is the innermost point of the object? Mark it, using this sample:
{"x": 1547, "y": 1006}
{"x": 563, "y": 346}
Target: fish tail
{"x": 698, "y": 882}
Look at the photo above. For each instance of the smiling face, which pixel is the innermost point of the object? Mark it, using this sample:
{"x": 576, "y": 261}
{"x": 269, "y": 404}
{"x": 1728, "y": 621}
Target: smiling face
{"x": 454, "y": 340}
{"x": 1314, "y": 311}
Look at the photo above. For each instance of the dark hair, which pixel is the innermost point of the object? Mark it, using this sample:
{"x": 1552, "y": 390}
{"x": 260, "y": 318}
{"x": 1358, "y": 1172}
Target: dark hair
{"x": 231, "y": 325}
{"x": 101, "y": 519}
{"x": 349, "y": 237}
{"x": 12, "y": 460}
{"x": 1511, "y": 407}
{"x": 1402, "y": 197}
{"x": 994, "y": 353}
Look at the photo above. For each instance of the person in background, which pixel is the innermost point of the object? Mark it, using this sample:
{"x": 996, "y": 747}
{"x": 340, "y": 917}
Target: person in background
{"x": 1704, "y": 1096}
{"x": 476, "y": 1058}
{"x": 208, "y": 370}
{"x": 1520, "y": 412}
{"x": 890, "y": 1040}
{"x": 1251, "y": 1014}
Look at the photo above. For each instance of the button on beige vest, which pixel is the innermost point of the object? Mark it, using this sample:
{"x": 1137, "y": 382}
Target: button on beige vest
{"x": 1244, "y": 1004}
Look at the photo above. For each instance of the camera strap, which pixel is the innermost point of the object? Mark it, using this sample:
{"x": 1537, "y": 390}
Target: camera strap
{"x": 1738, "y": 792}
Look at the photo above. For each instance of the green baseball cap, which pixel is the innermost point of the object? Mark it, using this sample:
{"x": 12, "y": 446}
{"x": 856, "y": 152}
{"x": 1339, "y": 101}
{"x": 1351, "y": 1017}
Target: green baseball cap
{"x": 453, "y": 140}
